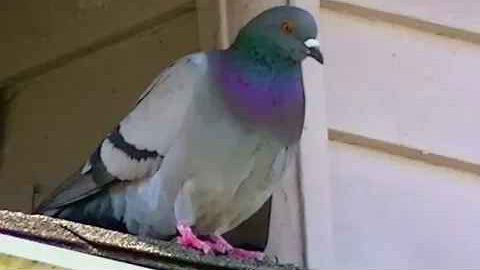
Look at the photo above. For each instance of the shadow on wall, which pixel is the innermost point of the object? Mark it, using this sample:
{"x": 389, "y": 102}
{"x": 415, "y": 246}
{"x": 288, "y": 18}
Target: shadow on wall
{"x": 3, "y": 119}
{"x": 5, "y": 99}
{"x": 252, "y": 234}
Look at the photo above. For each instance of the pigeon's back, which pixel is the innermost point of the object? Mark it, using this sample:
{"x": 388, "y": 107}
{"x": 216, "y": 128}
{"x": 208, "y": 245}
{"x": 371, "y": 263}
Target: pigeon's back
{"x": 132, "y": 153}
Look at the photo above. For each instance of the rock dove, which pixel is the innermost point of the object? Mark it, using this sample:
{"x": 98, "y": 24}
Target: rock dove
{"x": 204, "y": 144}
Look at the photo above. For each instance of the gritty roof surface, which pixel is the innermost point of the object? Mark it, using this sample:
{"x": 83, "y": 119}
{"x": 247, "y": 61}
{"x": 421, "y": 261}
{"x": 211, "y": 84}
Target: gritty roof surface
{"x": 119, "y": 246}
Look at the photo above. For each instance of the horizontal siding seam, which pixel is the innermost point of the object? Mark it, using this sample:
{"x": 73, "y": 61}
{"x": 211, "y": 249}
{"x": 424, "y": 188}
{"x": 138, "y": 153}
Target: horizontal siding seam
{"x": 402, "y": 151}
{"x": 402, "y": 20}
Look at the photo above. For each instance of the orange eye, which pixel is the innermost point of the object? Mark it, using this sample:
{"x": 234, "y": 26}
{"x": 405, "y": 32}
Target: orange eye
{"x": 287, "y": 27}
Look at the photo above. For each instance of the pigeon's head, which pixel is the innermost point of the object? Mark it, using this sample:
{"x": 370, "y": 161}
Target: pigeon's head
{"x": 283, "y": 32}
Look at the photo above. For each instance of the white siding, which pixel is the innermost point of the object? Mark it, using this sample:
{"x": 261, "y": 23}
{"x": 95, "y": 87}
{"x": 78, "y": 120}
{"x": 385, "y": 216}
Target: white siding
{"x": 395, "y": 213}
{"x": 401, "y": 85}
{"x": 385, "y": 79}
{"x": 461, "y": 14}
{"x": 314, "y": 161}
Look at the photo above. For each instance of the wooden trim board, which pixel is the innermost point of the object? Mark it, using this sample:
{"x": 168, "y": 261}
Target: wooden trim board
{"x": 402, "y": 20}
{"x": 402, "y": 151}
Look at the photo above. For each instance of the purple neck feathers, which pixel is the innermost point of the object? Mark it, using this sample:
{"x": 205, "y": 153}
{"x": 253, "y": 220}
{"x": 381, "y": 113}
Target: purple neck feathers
{"x": 268, "y": 97}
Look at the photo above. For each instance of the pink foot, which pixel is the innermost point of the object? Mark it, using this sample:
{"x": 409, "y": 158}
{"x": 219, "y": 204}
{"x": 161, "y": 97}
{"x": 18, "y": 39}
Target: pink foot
{"x": 220, "y": 245}
{"x": 216, "y": 244}
{"x": 247, "y": 254}
{"x": 188, "y": 239}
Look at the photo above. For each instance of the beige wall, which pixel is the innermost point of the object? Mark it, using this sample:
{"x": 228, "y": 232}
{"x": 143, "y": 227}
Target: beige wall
{"x": 75, "y": 68}
{"x": 401, "y": 81}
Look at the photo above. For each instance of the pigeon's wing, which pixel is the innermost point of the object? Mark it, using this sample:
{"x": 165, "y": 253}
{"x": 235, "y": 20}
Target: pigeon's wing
{"x": 137, "y": 146}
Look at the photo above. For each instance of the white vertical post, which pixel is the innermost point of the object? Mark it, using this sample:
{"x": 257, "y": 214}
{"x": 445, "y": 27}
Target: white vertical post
{"x": 316, "y": 185}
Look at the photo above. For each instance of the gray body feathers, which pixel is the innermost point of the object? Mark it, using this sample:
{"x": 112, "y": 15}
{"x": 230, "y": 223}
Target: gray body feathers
{"x": 180, "y": 155}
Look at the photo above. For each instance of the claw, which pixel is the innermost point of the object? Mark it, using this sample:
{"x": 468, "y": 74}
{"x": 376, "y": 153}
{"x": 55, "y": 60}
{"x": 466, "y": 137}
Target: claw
{"x": 188, "y": 239}
{"x": 220, "y": 245}
{"x": 216, "y": 244}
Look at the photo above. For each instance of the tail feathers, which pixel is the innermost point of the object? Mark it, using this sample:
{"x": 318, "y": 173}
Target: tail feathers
{"x": 75, "y": 188}
{"x": 81, "y": 199}
{"x": 50, "y": 212}
{"x": 96, "y": 210}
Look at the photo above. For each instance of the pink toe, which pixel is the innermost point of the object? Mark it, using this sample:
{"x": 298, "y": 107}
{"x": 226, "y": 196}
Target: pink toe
{"x": 195, "y": 243}
{"x": 201, "y": 245}
{"x": 220, "y": 245}
{"x": 188, "y": 239}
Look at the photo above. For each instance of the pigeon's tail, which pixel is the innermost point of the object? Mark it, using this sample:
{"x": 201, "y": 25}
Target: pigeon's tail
{"x": 97, "y": 210}
{"x": 47, "y": 212}
{"x": 93, "y": 207}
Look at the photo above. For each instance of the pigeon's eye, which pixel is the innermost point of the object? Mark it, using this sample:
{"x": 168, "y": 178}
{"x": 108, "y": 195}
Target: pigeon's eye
{"x": 287, "y": 27}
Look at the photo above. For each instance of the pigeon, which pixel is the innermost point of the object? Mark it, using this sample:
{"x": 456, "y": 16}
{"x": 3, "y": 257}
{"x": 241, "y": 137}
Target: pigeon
{"x": 205, "y": 144}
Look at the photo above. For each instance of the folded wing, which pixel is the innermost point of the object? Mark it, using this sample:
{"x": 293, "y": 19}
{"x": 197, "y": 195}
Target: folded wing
{"x": 135, "y": 149}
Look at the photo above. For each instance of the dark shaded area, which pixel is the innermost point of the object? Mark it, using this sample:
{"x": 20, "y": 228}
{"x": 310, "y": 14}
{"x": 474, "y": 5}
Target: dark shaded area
{"x": 151, "y": 253}
{"x": 3, "y": 120}
{"x": 252, "y": 234}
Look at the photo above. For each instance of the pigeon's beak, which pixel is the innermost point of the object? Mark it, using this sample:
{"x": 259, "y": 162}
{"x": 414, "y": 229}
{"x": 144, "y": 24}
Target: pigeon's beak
{"x": 313, "y": 49}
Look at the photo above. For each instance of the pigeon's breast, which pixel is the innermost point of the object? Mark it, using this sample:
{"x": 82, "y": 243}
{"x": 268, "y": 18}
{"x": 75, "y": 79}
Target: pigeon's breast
{"x": 264, "y": 97}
